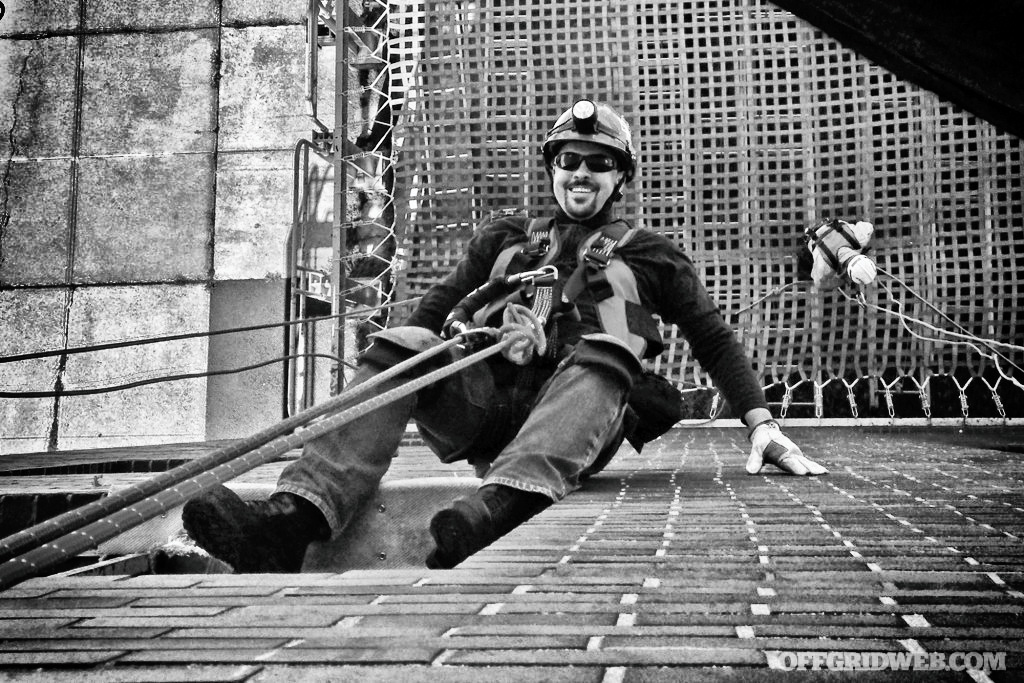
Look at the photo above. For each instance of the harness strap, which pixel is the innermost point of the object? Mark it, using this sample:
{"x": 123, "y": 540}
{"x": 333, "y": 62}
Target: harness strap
{"x": 540, "y": 239}
{"x": 598, "y": 277}
{"x": 542, "y": 243}
{"x": 594, "y": 256}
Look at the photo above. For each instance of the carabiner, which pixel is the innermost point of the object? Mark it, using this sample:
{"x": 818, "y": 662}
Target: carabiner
{"x": 544, "y": 276}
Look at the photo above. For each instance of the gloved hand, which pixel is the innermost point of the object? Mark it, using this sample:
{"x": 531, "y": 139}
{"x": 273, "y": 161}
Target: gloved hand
{"x": 473, "y": 338}
{"x": 453, "y": 326}
{"x": 772, "y": 446}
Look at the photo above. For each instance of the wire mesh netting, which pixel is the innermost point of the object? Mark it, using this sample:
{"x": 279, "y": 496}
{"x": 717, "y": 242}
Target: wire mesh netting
{"x": 751, "y": 125}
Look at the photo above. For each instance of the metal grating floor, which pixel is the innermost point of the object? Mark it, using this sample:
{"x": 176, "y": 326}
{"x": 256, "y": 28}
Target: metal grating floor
{"x": 672, "y": 564}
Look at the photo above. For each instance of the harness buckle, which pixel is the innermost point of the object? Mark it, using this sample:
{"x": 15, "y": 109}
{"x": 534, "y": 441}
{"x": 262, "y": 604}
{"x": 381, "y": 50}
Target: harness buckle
{"x": 538, "y": 245}
{"x": 536, "y": 250}
{"x": 600, "y": 252}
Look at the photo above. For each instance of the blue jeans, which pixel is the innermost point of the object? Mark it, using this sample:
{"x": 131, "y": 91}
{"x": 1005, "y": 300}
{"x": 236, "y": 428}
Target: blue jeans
{"x": 516, "y": 426}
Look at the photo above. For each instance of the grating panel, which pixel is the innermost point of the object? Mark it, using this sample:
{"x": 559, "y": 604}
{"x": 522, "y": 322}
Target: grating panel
{"x": 751, "y": 124}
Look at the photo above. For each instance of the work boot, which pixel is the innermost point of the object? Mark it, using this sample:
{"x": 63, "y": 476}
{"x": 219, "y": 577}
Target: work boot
{"x": 475, "y": 521}
{"x": 254, "y": 536}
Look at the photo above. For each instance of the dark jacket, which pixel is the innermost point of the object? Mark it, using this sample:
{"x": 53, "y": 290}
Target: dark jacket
{"x": 667, "y": 283}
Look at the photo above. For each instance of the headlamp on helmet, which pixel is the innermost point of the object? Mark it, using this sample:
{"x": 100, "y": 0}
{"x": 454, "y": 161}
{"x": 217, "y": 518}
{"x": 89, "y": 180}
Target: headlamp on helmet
{"x": 584, "y": 117}
{"x": 587, "y": 121}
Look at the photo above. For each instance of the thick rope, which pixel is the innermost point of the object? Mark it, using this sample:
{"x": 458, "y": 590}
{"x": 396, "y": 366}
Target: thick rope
{"x": 64, "y": 548}
{"x": 525, "y": 330}
{"x": 117, "y": 500}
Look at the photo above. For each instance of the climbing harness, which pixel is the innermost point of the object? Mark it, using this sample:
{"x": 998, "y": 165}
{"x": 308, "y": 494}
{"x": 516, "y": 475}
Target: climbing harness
{"x": 601, "y": 288}
{"x": 601, "y": 282}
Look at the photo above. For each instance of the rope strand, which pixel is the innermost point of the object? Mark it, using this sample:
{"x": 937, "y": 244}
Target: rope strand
{"x": 90, "y": 536}
{"x": 73, "y": 519}
{"x": 968, "y": 339}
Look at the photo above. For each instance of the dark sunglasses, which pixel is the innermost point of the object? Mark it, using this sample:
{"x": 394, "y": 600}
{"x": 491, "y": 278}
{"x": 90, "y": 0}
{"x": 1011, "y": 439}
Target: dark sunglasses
{"x": 597, "y": 163}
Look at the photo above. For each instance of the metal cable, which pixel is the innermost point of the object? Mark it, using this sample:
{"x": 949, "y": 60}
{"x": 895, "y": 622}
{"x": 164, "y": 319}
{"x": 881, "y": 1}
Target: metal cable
{"x": 189, "y": 335}
{"x": 165, "y": 378}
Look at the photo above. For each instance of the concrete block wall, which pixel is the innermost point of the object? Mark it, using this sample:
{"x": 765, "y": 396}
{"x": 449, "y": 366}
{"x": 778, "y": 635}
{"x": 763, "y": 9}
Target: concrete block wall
{"x": 146, "y": 168}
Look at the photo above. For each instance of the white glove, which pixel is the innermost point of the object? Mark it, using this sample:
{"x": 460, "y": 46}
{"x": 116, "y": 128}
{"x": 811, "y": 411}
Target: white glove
{"x": 861, "y": 269}
{"x": 772, "y": 446}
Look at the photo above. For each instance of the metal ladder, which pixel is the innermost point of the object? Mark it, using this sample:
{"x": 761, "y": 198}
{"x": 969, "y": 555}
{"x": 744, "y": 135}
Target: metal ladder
{"x": 337, "y": 265}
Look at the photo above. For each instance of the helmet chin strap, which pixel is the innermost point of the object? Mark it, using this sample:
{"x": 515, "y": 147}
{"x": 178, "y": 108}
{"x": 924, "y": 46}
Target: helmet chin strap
{"x": 616, "y": 193}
